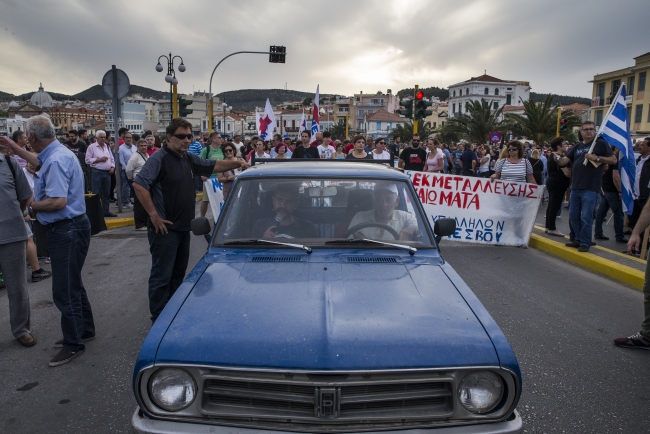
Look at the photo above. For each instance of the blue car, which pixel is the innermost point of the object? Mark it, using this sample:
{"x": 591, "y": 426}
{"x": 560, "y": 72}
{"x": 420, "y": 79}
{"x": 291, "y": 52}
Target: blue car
{"x": 323, "y": 305}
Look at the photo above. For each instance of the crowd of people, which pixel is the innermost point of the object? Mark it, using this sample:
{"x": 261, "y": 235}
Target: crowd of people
{"x": 45, "y": 182}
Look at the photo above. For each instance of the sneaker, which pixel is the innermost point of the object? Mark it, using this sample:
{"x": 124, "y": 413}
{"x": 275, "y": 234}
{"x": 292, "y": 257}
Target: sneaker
{"x": 143, "y": 228}
{"x": 127, "y": 205}
{"x": 110, "y": 214}
{"x": 622, "y": 240}
{"x": 635, "y": 341}
{"x": 555, "y": 233}
{"x": 64, "y": 357}
{"x": 573, "y": 244}
{"x": 41, "y": 274}
{"x": 601, "y": 237}
{"x": 559, "y": 217}
{"x": 59, "y": 343}
{"x": 583, "y": 249}
{"x": 27, "y": 340}
{"x": 45, "y": 259}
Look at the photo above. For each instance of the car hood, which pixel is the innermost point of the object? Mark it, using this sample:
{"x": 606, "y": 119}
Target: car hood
{"x": 326, "y": 314}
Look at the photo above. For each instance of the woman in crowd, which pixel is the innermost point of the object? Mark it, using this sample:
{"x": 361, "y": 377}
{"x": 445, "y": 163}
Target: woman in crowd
{"x": 358, "y": 153}
{"x": 339, "y": 154}
{"x": 515, "y": 167}
{"x": 537, "y": 165}
{"x": 559, "y": 179}
{"x": 484, "y": 163}
{"x": 281, "y": 151}
{"x": 226, "y": 178}
{"x": 435, "y": 157}
{"x": 494, "y": 157}
{"x": 380, "y": 153}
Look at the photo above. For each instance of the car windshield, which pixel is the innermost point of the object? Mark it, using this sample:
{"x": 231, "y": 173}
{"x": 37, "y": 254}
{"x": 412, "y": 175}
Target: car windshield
{"x": 319, "y": 212}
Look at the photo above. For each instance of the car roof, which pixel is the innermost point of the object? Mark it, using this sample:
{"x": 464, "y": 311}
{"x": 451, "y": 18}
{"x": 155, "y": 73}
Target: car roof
{"x": 321, "y": 168}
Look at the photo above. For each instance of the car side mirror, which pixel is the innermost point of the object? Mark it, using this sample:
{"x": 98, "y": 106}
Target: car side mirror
{"x": 443, "y": 228}
{"x": 201, "y": 226}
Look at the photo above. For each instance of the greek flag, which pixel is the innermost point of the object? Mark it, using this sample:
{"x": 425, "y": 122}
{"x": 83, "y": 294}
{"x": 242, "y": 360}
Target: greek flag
{"x": 615, "y": 129}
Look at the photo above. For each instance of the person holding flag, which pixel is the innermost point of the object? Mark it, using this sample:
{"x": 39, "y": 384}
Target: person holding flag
{"x": 266, "y": 122}
{"x": 315, "y": 121}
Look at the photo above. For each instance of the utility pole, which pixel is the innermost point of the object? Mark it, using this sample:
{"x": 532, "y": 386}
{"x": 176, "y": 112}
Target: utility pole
{"x": 175, "y": 101}
{"x": 559, "y": 119}
{"x": 347, "y": 124}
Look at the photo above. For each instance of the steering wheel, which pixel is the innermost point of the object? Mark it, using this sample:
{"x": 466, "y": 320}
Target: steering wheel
{"x": 355, "y": 228}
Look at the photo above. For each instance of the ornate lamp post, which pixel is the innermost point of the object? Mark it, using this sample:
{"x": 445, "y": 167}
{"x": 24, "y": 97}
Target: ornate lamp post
{"x": 171, "y": 79}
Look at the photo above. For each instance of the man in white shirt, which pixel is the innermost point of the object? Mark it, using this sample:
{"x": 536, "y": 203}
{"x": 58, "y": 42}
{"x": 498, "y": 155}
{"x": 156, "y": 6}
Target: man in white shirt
{"x": 326, "y": 150}
{"x": 385, "y": 199}
{"x": 102, "y": 164}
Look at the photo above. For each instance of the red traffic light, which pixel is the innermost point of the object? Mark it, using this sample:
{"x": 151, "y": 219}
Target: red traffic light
{"x": 419, "y": 95}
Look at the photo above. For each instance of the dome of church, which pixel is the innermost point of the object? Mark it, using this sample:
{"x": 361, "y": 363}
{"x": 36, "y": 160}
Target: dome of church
{"x": 13, "y": 104}
{"x": 41, "y": 98}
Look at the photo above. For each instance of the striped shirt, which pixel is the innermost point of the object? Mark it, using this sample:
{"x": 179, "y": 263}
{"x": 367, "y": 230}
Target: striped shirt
{"x": 513, "y": 171}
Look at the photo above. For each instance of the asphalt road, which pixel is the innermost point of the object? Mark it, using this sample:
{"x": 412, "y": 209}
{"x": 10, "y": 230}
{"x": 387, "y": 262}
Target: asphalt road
{"x": 559, "y": 319}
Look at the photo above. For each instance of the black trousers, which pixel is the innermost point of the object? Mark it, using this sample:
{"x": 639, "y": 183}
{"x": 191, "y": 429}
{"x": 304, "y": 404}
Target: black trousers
{"x": 636, "y": 211}
{"x": 555, "y": 199}
{"x": 139, "y": 213}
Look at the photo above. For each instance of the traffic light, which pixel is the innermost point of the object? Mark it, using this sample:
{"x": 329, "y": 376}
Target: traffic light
{"x": 277, "y": 54}
{"x": 421, "y": 105}
{"x": 407, "y": 111}
{"x": 563, "y": 124}
{"x": 183, "y": 111}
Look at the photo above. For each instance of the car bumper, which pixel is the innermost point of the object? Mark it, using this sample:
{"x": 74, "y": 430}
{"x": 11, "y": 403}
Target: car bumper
{"x": 143, "y": 425}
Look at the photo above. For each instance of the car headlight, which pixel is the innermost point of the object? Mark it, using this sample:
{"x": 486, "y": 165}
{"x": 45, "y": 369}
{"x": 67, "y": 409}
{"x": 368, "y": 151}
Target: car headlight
{"x": 481, "y": 391}
{"x": 172, "y": 389}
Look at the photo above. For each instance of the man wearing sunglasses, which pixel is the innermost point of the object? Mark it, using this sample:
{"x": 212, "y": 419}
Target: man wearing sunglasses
{"x": 165, "y": 188}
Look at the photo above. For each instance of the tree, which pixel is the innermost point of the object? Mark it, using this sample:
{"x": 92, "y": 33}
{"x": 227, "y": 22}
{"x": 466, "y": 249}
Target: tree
{"x": 307, "y": 102}
{"x": 479, "y": 121}
{"x": 447, "y": 134}
{"x": 290, "y": 107}
{"x": 539, "y": 121}
{"x": 337, "y": 130}
{"x": 405, "y": 131}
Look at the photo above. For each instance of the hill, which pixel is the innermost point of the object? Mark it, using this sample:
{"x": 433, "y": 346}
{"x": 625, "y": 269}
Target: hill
{"x": 560, "y": 99}
{"x": 248, "y": 99}
{"x": 96, "y": 92}
{"x": 443, "y": 94}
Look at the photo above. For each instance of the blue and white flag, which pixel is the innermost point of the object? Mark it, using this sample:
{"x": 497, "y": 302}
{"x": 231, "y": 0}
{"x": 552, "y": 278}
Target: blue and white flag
{"x": 615, "y": 129}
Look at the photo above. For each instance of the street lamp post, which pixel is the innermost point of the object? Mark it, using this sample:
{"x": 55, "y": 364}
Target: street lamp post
{"x": 277, "y": 55}
{"x": 171, "y": 79}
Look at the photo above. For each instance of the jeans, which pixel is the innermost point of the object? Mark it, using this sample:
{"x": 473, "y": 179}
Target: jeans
{"x": 581, "y": 215}
{"x": 610, "y": 200}
{"x": 68, "y": 244}
{"x": 170, "y": 254}
{"x": 101, "y": 185}
{"x": 127, "y": 187}
{"x": 12, "y": 261}
{"x": 645, "y": 325}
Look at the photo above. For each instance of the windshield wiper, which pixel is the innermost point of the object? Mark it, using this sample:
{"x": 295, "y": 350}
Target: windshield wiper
{"x": 411, "y": 250}
{"x": 297, "y": 246}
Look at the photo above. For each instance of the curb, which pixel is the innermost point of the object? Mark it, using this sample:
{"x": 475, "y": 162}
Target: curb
{"x": 119, "y": 223}
{"x": 619, "y": 272}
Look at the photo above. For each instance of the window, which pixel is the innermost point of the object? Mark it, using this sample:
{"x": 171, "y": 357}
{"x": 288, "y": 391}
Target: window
{"x": 467, "y": 91}
{"x": 648, "y": 113}
{"x": 466, "y": 106}
{"x": 453, "y": 106}
{"x": 630, "y": 85}
{"x": 389, "y": 126}
{"x": 486, "y": 91}
{"x": 378, "y": 126}
{"x": 509, "y": 99}
{"x": 360, "y": 114}
{"x": 629, "y": 113}
{"x": 600, "y": 92}
{"x": 342, "y": 121}
{"x": 495, "y": 105}
{"x": 434, "y": 124}
{"x": 641, "y": 86}
{"x": 454, "y": 93}
{"x": 615, "y": 85}
{"x": 638, "y": 114}
{"x": 496, "y": 91}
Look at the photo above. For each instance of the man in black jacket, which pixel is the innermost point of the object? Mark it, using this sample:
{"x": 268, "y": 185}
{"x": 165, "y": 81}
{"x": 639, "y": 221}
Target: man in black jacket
{"x": 642, "y": 181}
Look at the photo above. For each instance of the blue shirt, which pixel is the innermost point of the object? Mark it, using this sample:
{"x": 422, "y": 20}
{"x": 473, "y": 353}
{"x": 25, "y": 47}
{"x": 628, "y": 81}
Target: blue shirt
{"x": 446, "y": 160}
{"x": 195, "y": 148}
{"x": 60, "y": 176}
{"x": 125, "y": 154}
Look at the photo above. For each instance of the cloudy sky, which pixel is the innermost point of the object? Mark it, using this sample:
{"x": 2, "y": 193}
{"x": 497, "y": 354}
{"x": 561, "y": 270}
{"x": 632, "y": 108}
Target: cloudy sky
{"x": 346, "y": 46}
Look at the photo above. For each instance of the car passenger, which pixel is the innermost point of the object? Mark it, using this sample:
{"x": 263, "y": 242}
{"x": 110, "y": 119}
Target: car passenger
{"x": 284, "y": 224}
{"x": 385, "y": 199}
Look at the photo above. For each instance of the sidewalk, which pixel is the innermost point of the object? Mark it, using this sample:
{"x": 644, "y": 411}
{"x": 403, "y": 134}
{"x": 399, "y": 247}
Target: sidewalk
{"x": 607, "y": 257}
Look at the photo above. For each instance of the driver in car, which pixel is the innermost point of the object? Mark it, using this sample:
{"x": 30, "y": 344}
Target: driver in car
{"x": 284, "y": 224}
{"x": 373, "y": 223}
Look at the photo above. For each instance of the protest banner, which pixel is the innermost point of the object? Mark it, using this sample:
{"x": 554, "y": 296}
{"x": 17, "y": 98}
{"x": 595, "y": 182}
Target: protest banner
{"x": 215, "y": 194}
{"x": 486, "y": 212}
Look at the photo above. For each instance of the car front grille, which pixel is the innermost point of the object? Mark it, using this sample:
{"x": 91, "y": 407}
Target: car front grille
{"x": 327, "y": 399}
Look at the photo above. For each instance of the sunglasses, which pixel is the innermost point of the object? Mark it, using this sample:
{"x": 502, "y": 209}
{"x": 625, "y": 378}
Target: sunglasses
{"x": 184, "y": 136}
{"x": 513, "y": 149}
{"x": 228, "y": 150}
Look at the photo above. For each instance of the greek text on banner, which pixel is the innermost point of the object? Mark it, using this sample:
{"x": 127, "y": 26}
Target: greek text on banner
{"x": 498, "y": 212}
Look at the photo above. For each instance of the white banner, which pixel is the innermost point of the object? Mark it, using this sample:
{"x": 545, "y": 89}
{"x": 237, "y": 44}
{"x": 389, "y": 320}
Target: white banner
{"x": 499, "y": 212}
{"x": 215, "y": 193}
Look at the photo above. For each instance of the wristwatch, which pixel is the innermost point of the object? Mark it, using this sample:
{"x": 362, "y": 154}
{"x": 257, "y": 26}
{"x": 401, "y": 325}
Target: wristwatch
{"x": 598, "y": 159}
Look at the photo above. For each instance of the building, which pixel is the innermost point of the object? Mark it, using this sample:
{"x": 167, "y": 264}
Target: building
{"x": 133, "y": 117}
{"x": 439, "y": 115}
{"x": 3, "y": 127}
{"x": 498, "y": 92}
{"x": 341, "y": 110}
{"x": 366, "y": 104}
{"x": 41, "y": 98}
{"x": 381, "y": 122}
{"x": 68, "y": 118}
{"x": 25, "y": 110}
{"x": 605, "y": 87}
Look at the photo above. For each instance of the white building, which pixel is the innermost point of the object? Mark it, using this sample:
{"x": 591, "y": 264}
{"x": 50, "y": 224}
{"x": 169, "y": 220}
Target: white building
{"x": 494, "y": 90}
{"x": 381, "y": 122}
{"x": 133, "y": 117}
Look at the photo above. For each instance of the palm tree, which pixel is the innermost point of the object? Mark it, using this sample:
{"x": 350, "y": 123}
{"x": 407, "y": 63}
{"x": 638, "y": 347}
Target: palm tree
{"x": 478, "y": 123}
{"x": 539, "y": 121}
{"x": 446, "y": 134}
{"x": 405, "y": 130}
{"x": 337, "y": 130}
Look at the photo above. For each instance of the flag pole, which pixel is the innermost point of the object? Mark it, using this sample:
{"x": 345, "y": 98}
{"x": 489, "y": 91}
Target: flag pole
{"x": 609, "y": 111}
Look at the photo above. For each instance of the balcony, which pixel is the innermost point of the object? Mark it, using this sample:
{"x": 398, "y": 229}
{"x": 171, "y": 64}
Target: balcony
{"x": 628, "y": 99}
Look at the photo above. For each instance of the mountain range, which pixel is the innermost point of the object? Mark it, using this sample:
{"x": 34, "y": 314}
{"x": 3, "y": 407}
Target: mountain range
{"x": 248, "y": 99}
